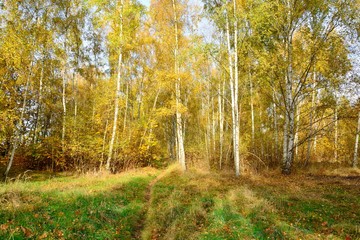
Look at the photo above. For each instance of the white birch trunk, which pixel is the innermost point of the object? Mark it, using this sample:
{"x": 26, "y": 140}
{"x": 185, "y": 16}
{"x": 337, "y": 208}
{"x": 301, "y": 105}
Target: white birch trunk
{"x": 288, "y": 147}
{"x": 117, "y": 94}
{"x": 355, "y": 160}
{"x": 179, "y": 124}
{"x": 75, "y": 104}
{"x": 285, "y": 137}
{"x": 236, "y": 97}
{"x": 207, "y": 132}
{"x": 126, "y": 106}
{"x": 64, "y": 81}
{"x": 39, "y": 102}
{"x": 276, "y": 133}
{"x": 336, "y": 137}
{"x": 64, "y": 110}
{"x": 140, "y": 97}
{"x": 213, "y": 128}
{"x": 297, "y": 130}
{"x": 221, "y": 123}
{"x": 233, "y": 70}
{"x": 252, "y": 113}
{"x": 208, "y": 125}
{"x": 311, "y": 120}
{"x": 317, "y": 126}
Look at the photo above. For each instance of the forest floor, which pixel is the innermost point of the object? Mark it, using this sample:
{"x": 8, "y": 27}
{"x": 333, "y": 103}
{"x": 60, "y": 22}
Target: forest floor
{"x": 168, "y": 204}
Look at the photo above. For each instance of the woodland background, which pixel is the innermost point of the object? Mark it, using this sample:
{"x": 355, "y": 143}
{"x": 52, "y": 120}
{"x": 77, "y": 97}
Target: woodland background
{"x": 236, "y": 84}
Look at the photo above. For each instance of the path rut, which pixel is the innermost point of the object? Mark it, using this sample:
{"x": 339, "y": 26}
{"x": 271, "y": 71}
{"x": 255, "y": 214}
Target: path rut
{"x": 148, "y": 199}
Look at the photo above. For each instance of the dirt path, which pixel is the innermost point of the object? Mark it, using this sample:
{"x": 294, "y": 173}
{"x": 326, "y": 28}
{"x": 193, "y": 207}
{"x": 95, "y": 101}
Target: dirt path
{"x": 148, "y": 199}
{"x": 153, "y": 182}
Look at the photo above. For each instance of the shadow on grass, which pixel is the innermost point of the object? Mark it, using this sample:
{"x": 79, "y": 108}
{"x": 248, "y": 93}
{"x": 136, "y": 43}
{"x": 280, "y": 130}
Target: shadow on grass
{"x": 57, "y": 214}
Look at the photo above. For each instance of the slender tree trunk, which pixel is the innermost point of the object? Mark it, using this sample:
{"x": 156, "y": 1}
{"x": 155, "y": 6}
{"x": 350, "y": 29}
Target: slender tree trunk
{"x": 221, "y": 122}
{"x": 173, "y": 139}
{"x": 103, "y": 145}
{"x": 285, "y": 137}
{"x": 150, "y": 121}
{"x": 291, "y": 135}
{"x": 93, "y": 109}
{"x": 186, "y": 101}
{"x": 233, "y": 70}
{"x": 179, "y": 121}
{"x": 355, "y": 160}
{"x": 140, "y": 97}
{"x": 236, "y": 96}
{"x": 18, "y": 131}
{"x": 207, "y": 133}
{"x": 64, "y": 110}
{"x": 126, "y": 105}
{"x": 316, "y": 126}
{"x": 118, "y": 85}
{"x": 153, "y": 110}
{"x": 262, "y": 144}
{"x": 208, "y": 125}
{"x": 296, "y": 140}
{"x": 315, "y": 144}
{"x": 252, "y": 112}
{"x": 276, "y": 133}
{"x": 336, "y": 137}
{"x": 64, "y": 81}
{"x": 311, "y": 120}
{"x": 116, "y": 148}
{"x": 290, "y": 103}
{"x": 213, "y": 128}
{"x": 75, "y": 104}
{"x": 39, "y": 104}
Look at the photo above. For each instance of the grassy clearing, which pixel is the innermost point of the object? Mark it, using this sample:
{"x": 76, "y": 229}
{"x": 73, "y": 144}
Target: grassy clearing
{"x": 88, "y": 207}
{"x": 204, "y": 206}
{"x": 194, "y": 205}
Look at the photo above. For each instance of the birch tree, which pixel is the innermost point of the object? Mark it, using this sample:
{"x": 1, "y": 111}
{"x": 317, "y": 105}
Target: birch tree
{"x": 118, "y": 84}
{"x": 17, "y": 51}
{"x": 179, "y": 121}
{"x": 296, "y": 76}
{"x": 232, "y": 54}
{"x": 19, "y": 128}
{"x": 234, "y": 89}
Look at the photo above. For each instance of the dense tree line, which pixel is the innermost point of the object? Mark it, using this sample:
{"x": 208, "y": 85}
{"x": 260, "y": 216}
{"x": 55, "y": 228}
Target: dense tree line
{"x": 111, "y": 84}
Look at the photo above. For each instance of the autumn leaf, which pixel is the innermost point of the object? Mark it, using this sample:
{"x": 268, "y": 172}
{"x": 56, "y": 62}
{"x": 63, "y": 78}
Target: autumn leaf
{"x": 27, "y": 232}
{"x": 44, "y": 235}
{"x": 59, "y": 233}
{"x": 4, "y": 227}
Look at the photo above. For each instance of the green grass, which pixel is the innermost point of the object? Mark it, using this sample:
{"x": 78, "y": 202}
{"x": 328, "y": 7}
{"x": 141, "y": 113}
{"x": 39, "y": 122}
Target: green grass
{"x": 192, "y": 205}
{"x": 88, "y": 207}
{"x": 329, "y": 210}
{"x": 205, "y": 206}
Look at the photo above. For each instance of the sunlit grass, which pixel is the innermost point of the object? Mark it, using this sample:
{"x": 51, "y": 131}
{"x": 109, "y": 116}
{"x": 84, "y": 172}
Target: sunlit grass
{"x": 91, "y": 207}
{"x": 210, "y": 206}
